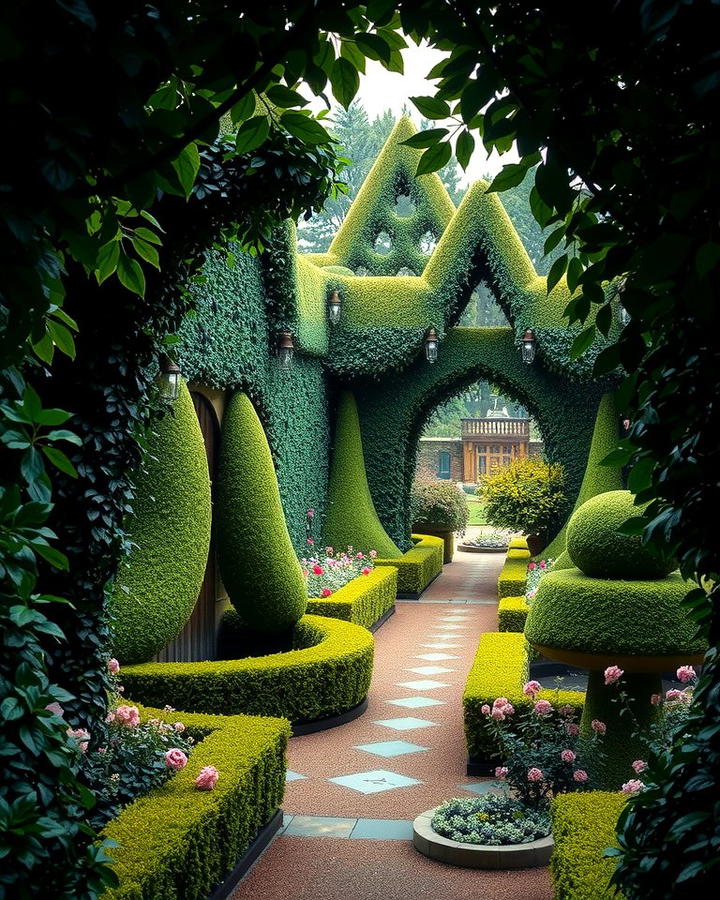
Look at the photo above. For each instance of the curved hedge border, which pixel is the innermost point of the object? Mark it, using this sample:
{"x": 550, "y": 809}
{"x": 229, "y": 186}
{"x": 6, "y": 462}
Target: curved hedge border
{"x": 327, "y": 674}
{"x": 500, "y": 669}
{"x": 512, "y": 613}
{"x": 178, "y": 841}
{"x": 513, "y": 575}
{"x": 584, "y": 824}
{"x": 418, "y": 566}
{"x": 363, "y": 601}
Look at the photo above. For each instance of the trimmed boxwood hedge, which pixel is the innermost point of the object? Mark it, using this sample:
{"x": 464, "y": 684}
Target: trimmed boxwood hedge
{"x": 178, "y": 841}
{"x": 157, "y": 586}
{"x": 500, "y": 669}
{"x": 513, "y": 575}
{"x": 363, "y": 601}
{"x": 583, "y": 825}
{"x": 512, "y": 613}
{"x": 327, "y": 673}
{"x": 417, "y": 568}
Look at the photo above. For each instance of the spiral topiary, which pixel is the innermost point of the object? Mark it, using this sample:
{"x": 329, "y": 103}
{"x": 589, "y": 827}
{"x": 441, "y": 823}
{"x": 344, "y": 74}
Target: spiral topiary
{"x": 596, "y": 547}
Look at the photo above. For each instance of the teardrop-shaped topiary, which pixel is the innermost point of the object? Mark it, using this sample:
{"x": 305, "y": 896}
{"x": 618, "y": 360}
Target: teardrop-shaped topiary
{"x": 157, "y": 586}
{"x": 258, "y": 564}
{"x": 597, "y": 549}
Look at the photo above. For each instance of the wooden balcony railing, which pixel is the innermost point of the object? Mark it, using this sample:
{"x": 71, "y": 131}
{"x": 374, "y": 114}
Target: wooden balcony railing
{"x": 496, "y": 427}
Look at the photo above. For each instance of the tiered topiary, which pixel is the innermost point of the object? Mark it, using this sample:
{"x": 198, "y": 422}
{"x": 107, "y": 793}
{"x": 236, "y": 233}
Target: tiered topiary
{"x": 439, "y": 509}
{"x": 632, "y": 618}
{"x": 157, "y": 586}
{"x": 257, "y": 561}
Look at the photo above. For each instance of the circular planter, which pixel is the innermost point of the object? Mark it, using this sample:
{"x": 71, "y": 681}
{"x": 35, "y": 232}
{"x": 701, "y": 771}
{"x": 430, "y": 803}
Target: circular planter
{"x": 472, "y": 548}
{"x": 478, "y": 856}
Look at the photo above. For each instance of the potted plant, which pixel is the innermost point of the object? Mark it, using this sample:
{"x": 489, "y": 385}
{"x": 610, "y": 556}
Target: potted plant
{"x": 440, "y": 510}
{"x": 526, "y": 496}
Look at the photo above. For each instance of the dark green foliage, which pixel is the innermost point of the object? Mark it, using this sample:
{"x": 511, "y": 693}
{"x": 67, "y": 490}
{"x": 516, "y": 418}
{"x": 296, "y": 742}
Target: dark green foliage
{"x": 418, "y": 566}
{"x": 157, "y": 586}
{"x": 594, "y": 615}
{"x": 597, "y": 549}
{"x": 351, "y": 518}
{"x": 438, "y": 505}
{"x": 210, "y": 829}
{"x": 257, "y": 561}
{"x": 328, "y": 672}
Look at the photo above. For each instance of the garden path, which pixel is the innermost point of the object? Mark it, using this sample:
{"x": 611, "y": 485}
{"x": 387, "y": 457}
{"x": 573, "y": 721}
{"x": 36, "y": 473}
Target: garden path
{"x": 354, "y": 790}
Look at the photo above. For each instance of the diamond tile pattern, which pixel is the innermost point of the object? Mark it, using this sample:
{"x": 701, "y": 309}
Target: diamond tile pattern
{"x": 390, "y": 748}
{"x": 436, "y": 657}
{"x": 429, "y": 670}
{"x": 426, "y": 685}
{"x": 442, "y": 646}
{"x": 374, "y": 782}
{"x": 483, "y": 787}
{"x": 320, "y": 826}
{"x": 294, "y": 776}
{"x": 407, "y": 723}
{"x": 416, "y": 702}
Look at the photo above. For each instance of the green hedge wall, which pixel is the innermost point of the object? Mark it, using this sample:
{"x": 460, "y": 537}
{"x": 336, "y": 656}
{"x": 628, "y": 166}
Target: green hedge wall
{"x": 156, "y": 587}
{"x": 178, "y": 841}
{"x": 328, "y": 672}
{"x": 513, "y": 575}
{"x": 512, "y": 613}
{"x": 418, "y": 566}
{"x": 363, "y": 601}
{"x": 584, "y": 825}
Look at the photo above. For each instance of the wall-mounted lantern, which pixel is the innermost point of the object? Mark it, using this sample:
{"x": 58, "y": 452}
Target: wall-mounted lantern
{"x": 334, "y": 307}
{"x": 431, "y": 346}
{"x": 528, "y": 347}
{"x": 169, "y": 378}
{"x": 285, "y": 350}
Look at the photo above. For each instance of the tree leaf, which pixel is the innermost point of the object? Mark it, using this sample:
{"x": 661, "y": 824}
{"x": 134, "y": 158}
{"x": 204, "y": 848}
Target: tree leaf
{"x": 252, "y": 134}
{"x": 146, "y": 251}
{"x": 557, "y": 270}
{"x": 373, "y": 46}
{"x": 345, "y": 81}
{"x": 282, "y": 96}
{"x": 186, "y": 164}
{"x": 131, "y": 274}
{"x": 464, "y": 149}
{"x": 434, "y": 158}
{"x": 62, "y": 338}
{"x": 582, "y": 341}
{"x": 352, "y": 53}
{"x": 508, "y": 177}
{"x": 431, "y": 107}
{"x": 304, "y": 127}
{"x": 60, "y": 461}
{"x": 424, "y": 139}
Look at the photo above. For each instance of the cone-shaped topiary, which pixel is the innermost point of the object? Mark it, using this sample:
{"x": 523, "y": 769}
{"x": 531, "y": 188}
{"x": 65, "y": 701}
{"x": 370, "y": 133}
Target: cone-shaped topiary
{"x": 257, "y": 561}
{"x": 157, "y": 586}
{"x": 351, "y": 518}
{"x": 596, "y": 548}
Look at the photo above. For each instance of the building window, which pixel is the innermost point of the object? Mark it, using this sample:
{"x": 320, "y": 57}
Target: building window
{"x": 444, "y": 464}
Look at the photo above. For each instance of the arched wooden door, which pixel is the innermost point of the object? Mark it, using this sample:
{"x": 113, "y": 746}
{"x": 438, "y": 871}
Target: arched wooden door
{"x": 196, "y": 641}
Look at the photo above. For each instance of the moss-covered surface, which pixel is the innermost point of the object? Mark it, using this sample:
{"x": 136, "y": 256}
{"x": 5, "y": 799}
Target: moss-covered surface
{"x": 351, "y": 517}
{"x": 178, "y": 841}
{"x": 158, "y": 584}
{"x": 583, "y": 826}
{"x": 418, "y": 566}
{"x": 328, "y": 672}
{"x": 637, "y": 618}
{"x": 596, "y": 548}
{"x": 512, "y": 613}
{"x": 257, "y": 560}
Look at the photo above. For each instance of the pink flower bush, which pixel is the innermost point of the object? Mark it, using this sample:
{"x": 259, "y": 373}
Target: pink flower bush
{"x": 566, "y": 710}
{"x": 373, "y": 554}
{"x": 572, "y": 729}
{"x": 542, "y": 707}
{"x": 359, "y": 555}
{"x": 485, "y": 709}
{"x": 498, "y": 714}
{"x": 326, "y": 592}
{"x": 310, "y": 513}
{"x": 81, "y": 736}
{"x": 613, "y": 674}
{"x": 334, "y": 570}
{"x": 532, "y": 688}
{"x": 179, "y": 727}
{"x": 685, "y": 674}
{"x": 568, "y": 756}
{"x": 55, "y": 709}
{"x": 175, "y": 759}
{"x": 543, "y": 564}
{"x": 580, "y": 775}
{"x": 113, "y": 666}
{"x": 535, "y": 774}
{"x": 127, "y": 716}
{"x": 318, "y": 570}
{"x": 598, "y": 727}
{"x": 632, "y": 786}
{"x": 501, "y": 771}
{"x": 365, "y": 570}
{"x": 207, "y": 779}
{"x": 674, "y": 694}
{"x": 639, "y": 766}
{"x": 532, "y": 566}
{"x": 310, "y": 541}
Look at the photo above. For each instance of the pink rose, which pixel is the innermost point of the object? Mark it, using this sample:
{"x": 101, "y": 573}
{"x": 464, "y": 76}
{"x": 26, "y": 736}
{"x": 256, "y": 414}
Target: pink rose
{"x": 113, "y": 666}
{"x": 535, "y": 774}
{"x": 498, "y": 714}
{"x": 207, "y": 779}
{"x": 310, "y": 541}
{"x": 501, "y": 772}
{"x": 81, "y": 736}
{"x": 329, "y": 551}
{"x": 365, "y": 570}
{"x": 55, "y": 709}
{"x": 613, "y": 674}
{"x": 566, "y": 710}
{"x": 485, "y": 709}
{"x": 175, "y": 759}
{"x": 373, "y": 554}
{"x": 318, "y": 570}
{"x": 674, "y": 695}
{"x": 572, "y": 729}
{"x": 325, "y": 592}
{"x": 580, "y": 775}
{"x": 655, "y": 699}
{"x": 598, "y": 726}
{"x": 532, "y": 688}
{"x": 532, "y": 566}
{"x": 499, "y": 702}
{"x": 542, "y": 707}
{"x": 632, "y": 786}
{"x": 310, "y": 513}
{"x": 639, "y": 766}
{"x": 102, "y": 749}
{"x": 567, "y": 756}
{"x": 686, "y": 673}
{"x": 110, "y": 717}
{"x": 179, "y": 727}
{"x": 127, "y": 716}
{"x": 543, "y": 564}
{"x": 359, "y": 556}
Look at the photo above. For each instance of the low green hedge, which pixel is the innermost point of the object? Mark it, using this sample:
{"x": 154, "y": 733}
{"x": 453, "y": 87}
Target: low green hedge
{"x": 327, "y": 673}
{"x": 178, "y": 841}
{"x": 512, "y": 612}
{"x": 513, "y": 575}
{"x": 583, "y": 826}
{"x": 518, "y": 543}
{"x": 418, "y": 567}
{"x": 363, "y": 600}
{"x": 500, "y": 669}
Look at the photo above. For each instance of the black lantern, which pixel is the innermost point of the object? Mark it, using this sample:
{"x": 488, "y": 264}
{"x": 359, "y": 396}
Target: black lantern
{"x": 169, "y": 378}
{"x": 334, "y": 305}
{"x": 528, "y": 347}
{"x": 285, "y": 350}
{"x": 431, "y": 346}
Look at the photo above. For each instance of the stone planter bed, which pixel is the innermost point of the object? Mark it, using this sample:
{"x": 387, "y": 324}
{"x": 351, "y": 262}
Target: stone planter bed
{"x": 478, "y": 856}
{"x": 473, "y": 548}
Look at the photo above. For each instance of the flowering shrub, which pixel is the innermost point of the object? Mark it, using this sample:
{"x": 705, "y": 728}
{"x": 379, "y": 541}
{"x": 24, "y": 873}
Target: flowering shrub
{"x": 492, "y": 819}
{"x": 535, "y": 572}
{"x": 326, "y": 574}
{"x": 438, "y": 505}
{"x": 539, "y": 747}
{"x": 527, "y": 495}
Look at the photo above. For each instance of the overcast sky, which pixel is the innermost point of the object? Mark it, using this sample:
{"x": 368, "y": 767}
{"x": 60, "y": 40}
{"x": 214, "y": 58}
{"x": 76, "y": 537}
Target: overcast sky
{"x": 381, "y": 90}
